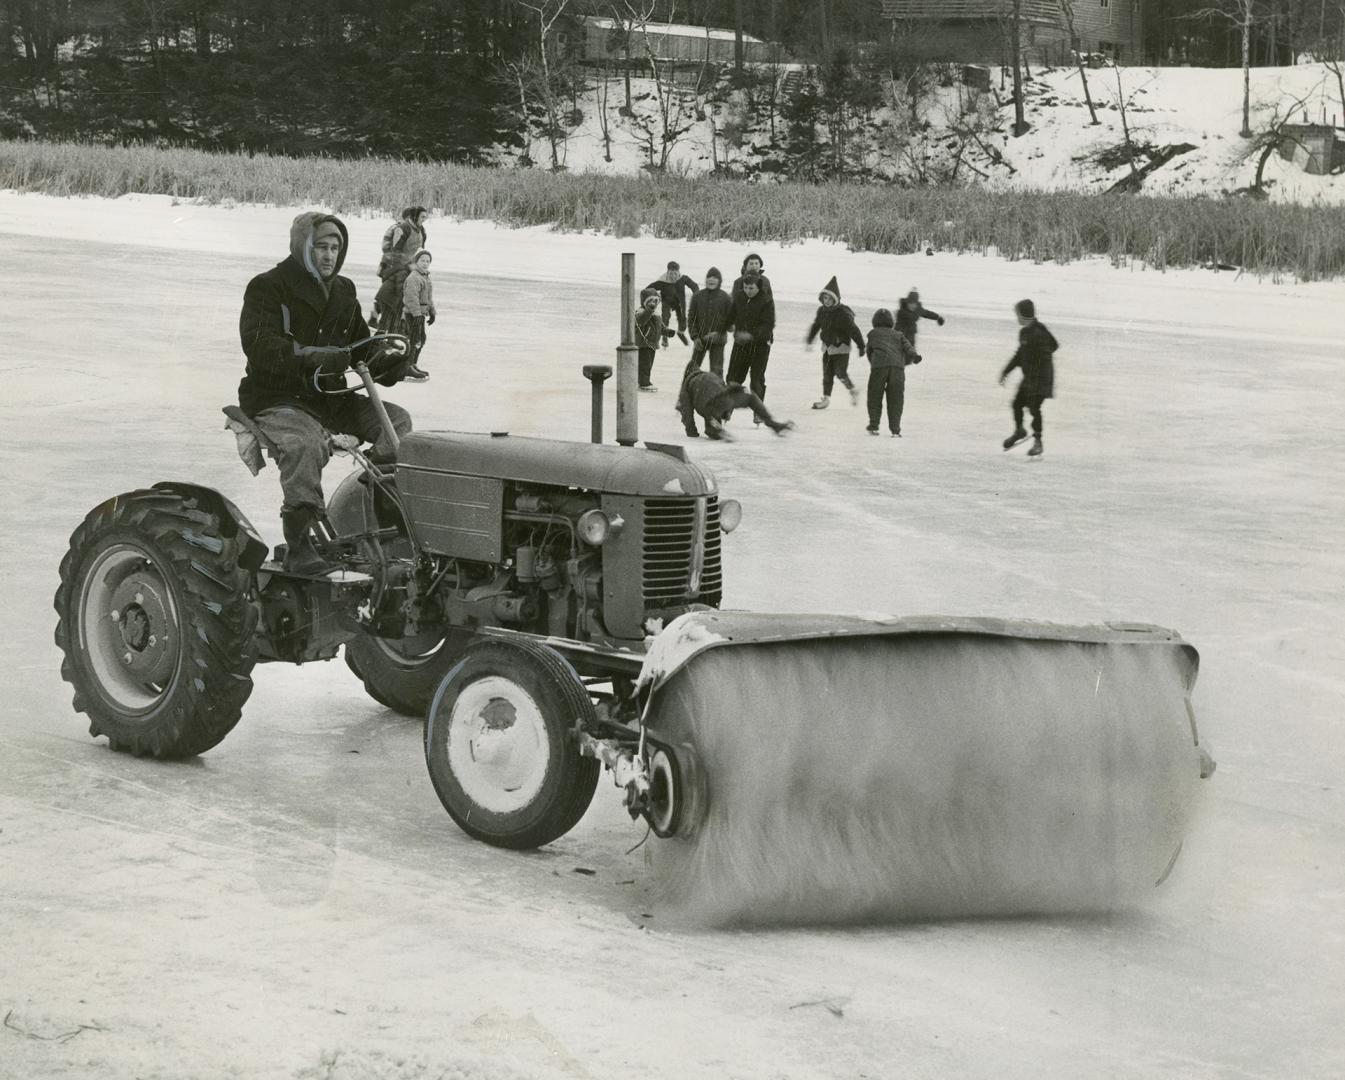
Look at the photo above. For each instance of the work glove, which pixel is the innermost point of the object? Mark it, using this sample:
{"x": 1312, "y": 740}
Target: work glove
{"x": 429, "y": 319}
{"x": 742, "y": 337}
{"x": 917, "y": 359}
{"x": 329, "y": 359}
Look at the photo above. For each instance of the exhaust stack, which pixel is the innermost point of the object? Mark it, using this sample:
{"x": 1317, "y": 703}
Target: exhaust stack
{"x": 627, "y": 360}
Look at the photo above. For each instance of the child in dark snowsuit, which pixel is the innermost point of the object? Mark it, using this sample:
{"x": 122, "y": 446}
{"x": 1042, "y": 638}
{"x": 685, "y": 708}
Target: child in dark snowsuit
{"x": 1035, "y": 358}
{"x": 706, "y": 393}
{"x": 648, "y": 336}
{"x": 711, "y": 318}
{"x": 836, "y": 324}
{"x": 672, "y": 288}
{"x": 889, "y": 353}
{"x": 909, "y": 313}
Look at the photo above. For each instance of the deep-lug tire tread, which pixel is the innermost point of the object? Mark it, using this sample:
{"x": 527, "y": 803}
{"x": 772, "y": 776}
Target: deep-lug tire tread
{"x": 218, "y": 634}
{"x": 579, "y": 778}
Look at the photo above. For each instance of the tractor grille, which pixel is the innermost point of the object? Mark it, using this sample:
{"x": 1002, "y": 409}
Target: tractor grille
{"x": 681, "y": 552}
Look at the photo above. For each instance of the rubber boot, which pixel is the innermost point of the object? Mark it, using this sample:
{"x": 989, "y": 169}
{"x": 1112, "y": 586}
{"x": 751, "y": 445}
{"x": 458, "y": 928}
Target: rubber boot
{"x": 301, "y": 554}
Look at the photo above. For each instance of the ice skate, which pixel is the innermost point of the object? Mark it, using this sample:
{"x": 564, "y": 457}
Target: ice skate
{"x": 1013, "y": 440}
{"x": 822, "y": 403}
{"x": 682, "y": 338}
{"x": 872, "y": 429}
{"x": 854, "y": 395}
{"x": 781, "y": 426}
{"x": 649, "y": 388}
{"x": 1035, "y": 449}
{"x": 896, "y": 434}
{"x": 416, "y": 374}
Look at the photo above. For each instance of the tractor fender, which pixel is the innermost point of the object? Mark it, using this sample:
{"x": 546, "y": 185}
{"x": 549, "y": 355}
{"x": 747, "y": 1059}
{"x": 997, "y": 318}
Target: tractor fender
{"x": 233, "y": 522}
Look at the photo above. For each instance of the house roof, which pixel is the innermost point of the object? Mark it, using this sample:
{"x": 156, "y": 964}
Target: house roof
{"x": 1037, "y": 11}
{"x": 672, "y": 29}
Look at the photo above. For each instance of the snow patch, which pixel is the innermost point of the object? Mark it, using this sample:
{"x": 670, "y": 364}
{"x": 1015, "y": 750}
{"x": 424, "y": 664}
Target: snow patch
{"x": 681, "y": 639}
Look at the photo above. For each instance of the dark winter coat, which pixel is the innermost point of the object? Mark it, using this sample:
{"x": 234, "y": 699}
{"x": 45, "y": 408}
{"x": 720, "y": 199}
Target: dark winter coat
{"x": 909, "y": 316}
{"x": 648, "y": 329}
{"x": 289, "y": 306}
{"x": 890, "y": 348}
{"x": 756, "y": 315}
{"x": 400, "y": 243}
{"x": 711, "y": 313}
{"x": 1035, "y": 358}
{"x": 672, "y": 293}
{"x": 836, "y": 326}
{"x": 703, "y": 391}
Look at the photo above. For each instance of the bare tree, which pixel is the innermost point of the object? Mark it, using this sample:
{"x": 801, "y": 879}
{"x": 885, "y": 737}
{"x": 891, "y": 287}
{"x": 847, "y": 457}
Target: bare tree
{"x": 1067, "y": 16}
{"x": 1241, "y": 13}
{"x": 1273, "y": 136}
{"x": 547, "y": 74}
{"x": 674, "y": 119}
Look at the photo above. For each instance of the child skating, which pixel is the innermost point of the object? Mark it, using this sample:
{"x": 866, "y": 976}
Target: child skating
{"x": 648, "y": 336}
{"x": 835, "y": 323}
{"x": 889, "y": 352}
{"x": 1036, "y": 349}
{"x": 418, "y": 310}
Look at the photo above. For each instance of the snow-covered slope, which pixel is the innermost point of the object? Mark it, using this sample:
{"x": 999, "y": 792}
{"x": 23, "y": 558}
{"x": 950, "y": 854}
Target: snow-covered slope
{"x": 1199, "y": 107}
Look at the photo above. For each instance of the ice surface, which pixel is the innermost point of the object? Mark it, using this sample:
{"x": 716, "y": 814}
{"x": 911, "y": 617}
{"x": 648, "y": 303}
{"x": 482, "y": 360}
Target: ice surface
{"x": 299, "y": 891}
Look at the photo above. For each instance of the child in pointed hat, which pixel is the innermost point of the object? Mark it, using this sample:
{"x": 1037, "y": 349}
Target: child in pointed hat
{"x": 835, "y": 324}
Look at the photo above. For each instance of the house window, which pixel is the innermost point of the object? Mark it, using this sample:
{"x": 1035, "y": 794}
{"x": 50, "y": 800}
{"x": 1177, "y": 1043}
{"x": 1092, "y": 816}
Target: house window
{"x": 1104, "y": 3}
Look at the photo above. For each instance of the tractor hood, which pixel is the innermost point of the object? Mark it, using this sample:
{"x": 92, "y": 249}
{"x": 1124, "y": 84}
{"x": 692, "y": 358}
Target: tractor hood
{"x": 656, "y": 470}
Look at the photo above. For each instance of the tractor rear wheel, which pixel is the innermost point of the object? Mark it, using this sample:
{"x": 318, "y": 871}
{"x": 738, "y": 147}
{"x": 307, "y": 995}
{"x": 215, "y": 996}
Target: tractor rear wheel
{"x": 500, "y": 748}
{"x": 157, "y": 624}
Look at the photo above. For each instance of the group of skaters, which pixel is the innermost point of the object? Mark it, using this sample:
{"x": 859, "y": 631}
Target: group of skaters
{"x": 747, "y": 312}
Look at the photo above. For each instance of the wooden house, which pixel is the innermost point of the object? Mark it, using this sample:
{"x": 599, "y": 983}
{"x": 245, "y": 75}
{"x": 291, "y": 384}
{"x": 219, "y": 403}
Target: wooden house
{"x": 976, "y": 31}
{"x": 602, "y": 42}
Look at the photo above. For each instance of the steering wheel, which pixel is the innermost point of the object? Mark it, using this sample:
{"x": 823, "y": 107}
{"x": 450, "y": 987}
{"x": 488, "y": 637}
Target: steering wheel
{"x": 398, "y": 345}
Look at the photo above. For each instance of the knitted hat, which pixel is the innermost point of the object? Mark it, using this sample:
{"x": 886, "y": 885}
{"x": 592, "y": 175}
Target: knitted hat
{"x": 713, "y": 272}
{"x": 759, "y": 259}
{"x": 419, "y": 253}
{"x": 914, "y": 294}
{"x": 674, "y": 265}
{"x": 645, "y": 294}
{"x": 752, "y": 278}
{"x": 832, "y": 289}
{"x": 1026, "y": 309}
{"x": 883, "y": 317}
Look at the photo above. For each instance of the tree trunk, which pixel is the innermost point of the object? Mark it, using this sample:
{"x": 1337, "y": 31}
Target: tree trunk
{"x": 737, "y": 41}
{"x": 1019, "y": 122}
{"x": 1246, "y": 132}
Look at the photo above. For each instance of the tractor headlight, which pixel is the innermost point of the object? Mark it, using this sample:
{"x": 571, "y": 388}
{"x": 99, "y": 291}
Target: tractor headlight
{"x": 730, "y": 514}
{"x": 594, "y": 527}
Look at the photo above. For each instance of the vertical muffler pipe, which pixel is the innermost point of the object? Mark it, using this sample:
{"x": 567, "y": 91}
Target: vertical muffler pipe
{"x": 627, "y": 360}
{"x": 597, "y": 374}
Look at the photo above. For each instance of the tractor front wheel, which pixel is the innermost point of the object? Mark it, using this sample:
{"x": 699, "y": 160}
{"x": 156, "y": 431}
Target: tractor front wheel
{"x": 156, "y": 624}
{"x": 500, "y": 747}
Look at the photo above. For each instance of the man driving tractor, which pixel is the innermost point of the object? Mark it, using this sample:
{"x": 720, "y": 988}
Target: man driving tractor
{"x": 301, "y": 328}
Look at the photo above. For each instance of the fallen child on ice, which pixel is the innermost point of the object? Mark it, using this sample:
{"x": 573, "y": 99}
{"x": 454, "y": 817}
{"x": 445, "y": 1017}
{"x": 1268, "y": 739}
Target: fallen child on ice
{"x": 707, "y": 393}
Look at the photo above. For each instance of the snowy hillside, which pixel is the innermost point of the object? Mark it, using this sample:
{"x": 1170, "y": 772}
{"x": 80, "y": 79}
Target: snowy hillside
{"x": 1174, "y": 107}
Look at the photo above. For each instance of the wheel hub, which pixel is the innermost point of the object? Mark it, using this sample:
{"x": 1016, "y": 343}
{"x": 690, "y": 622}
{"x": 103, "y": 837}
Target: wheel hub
{"x": 497, "y": 744}
{"x": 143, "y": 618}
